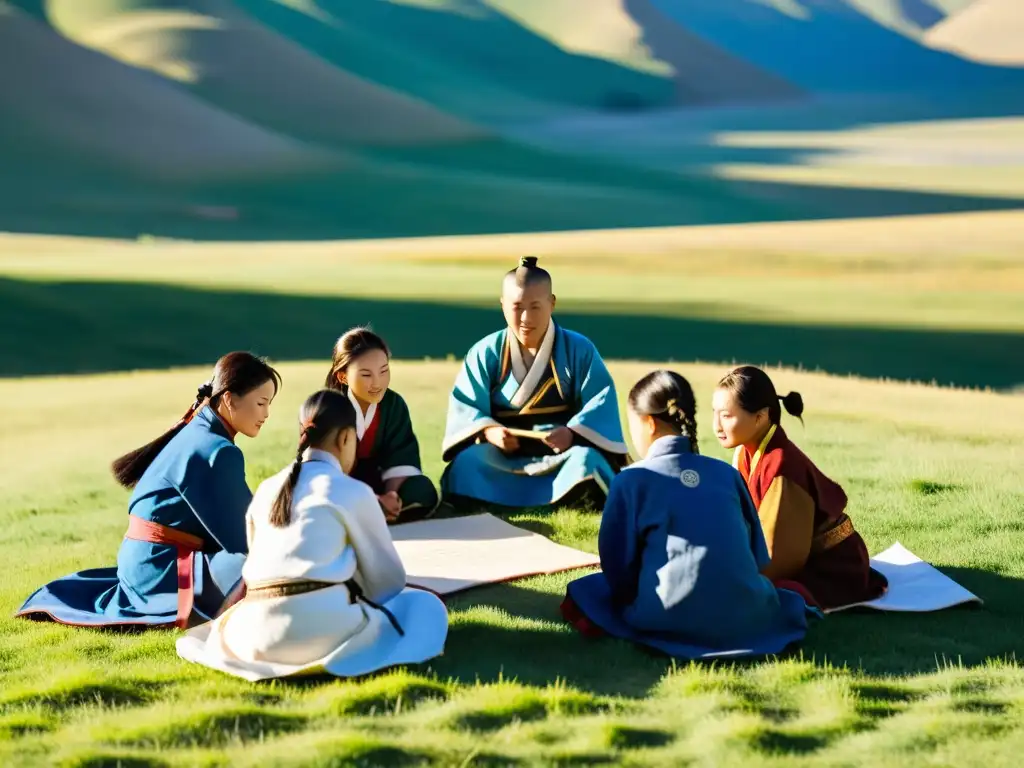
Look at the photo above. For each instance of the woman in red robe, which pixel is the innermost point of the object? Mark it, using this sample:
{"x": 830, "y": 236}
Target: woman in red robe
{"x": 810, "y": 537}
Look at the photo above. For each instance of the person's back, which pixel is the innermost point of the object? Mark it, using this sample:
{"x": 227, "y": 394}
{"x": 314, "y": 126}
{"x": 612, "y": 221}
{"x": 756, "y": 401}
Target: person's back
{"x": 681, "y": 546}
{"x": 333, "y": 516}
{"x": 200, "y": 463}
{"x": 325, "y": 588}
{"x": 698, "y": 572}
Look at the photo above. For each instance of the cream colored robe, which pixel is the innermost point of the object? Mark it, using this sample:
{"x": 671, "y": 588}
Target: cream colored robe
{"x": 337, "y": 533}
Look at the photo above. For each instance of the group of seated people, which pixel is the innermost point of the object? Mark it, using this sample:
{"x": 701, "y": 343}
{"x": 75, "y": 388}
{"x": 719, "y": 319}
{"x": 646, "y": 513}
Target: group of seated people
{"x": 698, "y": 557}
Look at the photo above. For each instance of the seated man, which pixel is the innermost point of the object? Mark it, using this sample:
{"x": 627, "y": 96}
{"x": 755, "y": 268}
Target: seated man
{"x": 533, "y": 419}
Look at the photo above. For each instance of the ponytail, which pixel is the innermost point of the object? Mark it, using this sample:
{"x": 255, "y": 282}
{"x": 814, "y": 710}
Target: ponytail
{"x": 130, "y": 468}
{"x": 236, "y": 372}
{"x": 321, "y": 417}
{"x": 754, "y": 391}
{"x": 281, "y": 512}
{"x": 794, "y": 405}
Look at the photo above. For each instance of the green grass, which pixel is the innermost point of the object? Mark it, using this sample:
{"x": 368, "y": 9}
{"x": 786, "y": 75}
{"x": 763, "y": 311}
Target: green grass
{"x": 936, "y": 469}
{"x": 932, "y": 468}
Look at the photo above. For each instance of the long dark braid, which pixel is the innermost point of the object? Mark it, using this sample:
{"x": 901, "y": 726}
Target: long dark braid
{"x": 281, "y": 513}
{"x": 684, "y": 422}
{"x": 322, "y": 415}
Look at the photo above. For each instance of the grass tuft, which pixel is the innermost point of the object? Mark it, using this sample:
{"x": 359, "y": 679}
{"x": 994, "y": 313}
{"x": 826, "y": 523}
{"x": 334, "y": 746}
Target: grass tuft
{"x": 388, "y": 694}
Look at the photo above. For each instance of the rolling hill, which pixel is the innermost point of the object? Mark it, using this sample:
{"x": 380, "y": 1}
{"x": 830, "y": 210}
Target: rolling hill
{"x": 831, "y": 46}
{"x": 79, "y": 103}
{"x": 217, "y": 52}
{"x": 389, "y": 117}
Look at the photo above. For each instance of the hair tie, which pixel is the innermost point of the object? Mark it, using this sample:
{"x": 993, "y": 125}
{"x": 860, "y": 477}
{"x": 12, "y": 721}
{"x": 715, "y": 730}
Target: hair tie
{"x": 205, "y": 391}
{"x": 530, "y": 262}
{"x": 308, "y": 426}
{"x": 671, "y": 408}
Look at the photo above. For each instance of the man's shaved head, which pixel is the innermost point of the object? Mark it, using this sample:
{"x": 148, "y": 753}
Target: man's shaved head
{"x": 526, "y": 275}
{"x": 527, "y": 302}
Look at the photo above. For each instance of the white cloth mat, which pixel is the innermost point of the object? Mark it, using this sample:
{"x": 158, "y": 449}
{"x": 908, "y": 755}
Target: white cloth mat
{"x": 914, "y": 585}
{"x": 453, "y": 554}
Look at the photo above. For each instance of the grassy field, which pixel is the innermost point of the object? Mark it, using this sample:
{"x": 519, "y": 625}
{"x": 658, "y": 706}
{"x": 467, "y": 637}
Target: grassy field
{"x": 933, "y": 468}
{"x": 920, "y": 299}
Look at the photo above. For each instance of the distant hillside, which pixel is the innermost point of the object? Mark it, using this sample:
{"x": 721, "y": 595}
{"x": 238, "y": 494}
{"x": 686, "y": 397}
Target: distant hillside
{"x": 80, "y": 103}
{"x": 339, "y": 118}
{"x": 830, "y": 46}
{"x": 213, "y": 49}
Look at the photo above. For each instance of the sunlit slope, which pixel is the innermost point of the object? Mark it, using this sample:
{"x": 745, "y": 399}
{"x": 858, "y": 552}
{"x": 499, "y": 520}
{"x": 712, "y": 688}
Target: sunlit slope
{"x": 470, "y": 36}
{"x": 213, "y": 48}
{"x": 830, "y": 46}
{"x": 462, "y": 91}
{"x": 991, "y": 31}
{"x": 83, "y": 103}
{"x": 636, "y": 34}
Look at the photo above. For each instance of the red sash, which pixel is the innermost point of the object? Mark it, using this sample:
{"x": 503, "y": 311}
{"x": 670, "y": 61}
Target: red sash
{"x": 186, "y": 544}
{"x": 365, "y": 448}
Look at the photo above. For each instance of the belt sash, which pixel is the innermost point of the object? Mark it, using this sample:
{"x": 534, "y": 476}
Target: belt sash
{"x": 271, "y": 590}
{"x": 186, "y": 545}
{"x": 836, "y": 534}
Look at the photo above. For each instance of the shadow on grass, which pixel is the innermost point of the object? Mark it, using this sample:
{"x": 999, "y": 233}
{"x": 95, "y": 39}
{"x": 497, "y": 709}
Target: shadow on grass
{"x": 478, "y": 650}
{"x": 81, "y": 327}
{"x": 885, "y": 643}
{"x": 877, "y": 643}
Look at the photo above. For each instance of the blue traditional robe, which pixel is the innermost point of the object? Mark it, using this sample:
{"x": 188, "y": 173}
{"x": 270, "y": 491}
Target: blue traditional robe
{"x": 195, "y": 485}
{"x": 566, "y": 385}
{"x": 681, "y": 553}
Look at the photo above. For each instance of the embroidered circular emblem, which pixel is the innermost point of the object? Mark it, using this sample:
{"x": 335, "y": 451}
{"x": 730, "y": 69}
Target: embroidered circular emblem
{"x": 689, "y": 478}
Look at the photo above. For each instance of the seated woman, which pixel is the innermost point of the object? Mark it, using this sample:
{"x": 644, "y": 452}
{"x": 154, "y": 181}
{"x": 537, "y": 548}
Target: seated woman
{"x": 182, "y": 555}
{"x": 389, "y": 454}
{"x": 681, "y": 548}
{"x": 325, "y": 587}
{"x": 810, "y": 537}
{"x": 533, "y": 419}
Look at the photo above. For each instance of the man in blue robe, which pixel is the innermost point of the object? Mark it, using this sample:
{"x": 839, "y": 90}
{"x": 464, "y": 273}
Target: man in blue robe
{"x": 533, "y": 419}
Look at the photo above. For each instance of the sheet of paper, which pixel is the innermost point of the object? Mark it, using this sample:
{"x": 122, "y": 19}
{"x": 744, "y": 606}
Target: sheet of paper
{"x": 453, "y": 554}
{"x": 914, "y": 585}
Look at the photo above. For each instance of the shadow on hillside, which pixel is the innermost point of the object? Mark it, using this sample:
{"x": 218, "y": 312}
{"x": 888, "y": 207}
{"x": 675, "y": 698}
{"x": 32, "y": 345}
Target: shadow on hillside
{"x": 62, "y": 328}
{"x": 423, "y": 204}
{"x": 876, "y": 643}
{"x": 448, "y": 57}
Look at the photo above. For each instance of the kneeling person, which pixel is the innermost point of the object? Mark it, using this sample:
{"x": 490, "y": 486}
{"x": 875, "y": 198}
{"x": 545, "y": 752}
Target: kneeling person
{"x": 681, "y": 547}
{"x": 810, "y": 536}
{"x": 325, "y": 586}
{"x": 533, "y": 419}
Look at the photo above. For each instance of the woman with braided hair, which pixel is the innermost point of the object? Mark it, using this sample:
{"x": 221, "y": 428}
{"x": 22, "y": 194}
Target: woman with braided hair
{"x": 810, "y": 537}
{"x": 325, "y": 588}
{"x": 681, "y": 547}
{"x": 181, "y": 557}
